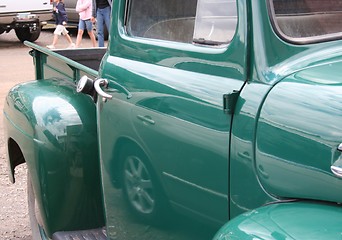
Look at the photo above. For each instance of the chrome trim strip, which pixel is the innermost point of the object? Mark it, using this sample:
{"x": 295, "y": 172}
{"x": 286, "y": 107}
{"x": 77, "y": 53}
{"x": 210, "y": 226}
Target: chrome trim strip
{"x": 221, "y": 195}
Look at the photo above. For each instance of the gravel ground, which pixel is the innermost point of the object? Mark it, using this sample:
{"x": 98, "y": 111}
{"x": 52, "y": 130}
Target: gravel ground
{"x": 13, "y": 212}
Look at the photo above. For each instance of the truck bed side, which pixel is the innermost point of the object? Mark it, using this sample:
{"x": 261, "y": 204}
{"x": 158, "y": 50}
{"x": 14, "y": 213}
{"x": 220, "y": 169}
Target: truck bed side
{"x": 66, "y": 63}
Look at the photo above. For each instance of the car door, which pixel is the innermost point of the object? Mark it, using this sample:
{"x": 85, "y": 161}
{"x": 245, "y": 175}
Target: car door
{"x": 164, "y": 135}
{"x": 187, "y": 142}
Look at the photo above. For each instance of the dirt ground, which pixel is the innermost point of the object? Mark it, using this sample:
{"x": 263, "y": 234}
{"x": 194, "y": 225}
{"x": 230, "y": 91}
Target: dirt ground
{"x": 16, "y": 66}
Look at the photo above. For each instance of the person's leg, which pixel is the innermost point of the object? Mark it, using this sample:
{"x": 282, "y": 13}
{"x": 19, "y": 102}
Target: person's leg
{"x": 65, "y": 32}
{"x": 106, "y": 17}
{"x": 89, "y": 26}
{"x": 79, "y": 37}
{"x": 56, "y": 33}
{"x": 99, "y": 27}
{"x": 67, "y": 36}
{"x": 81, "y": 27}
{"x": 92, "y": 38}
{"x": 55, "y": 39}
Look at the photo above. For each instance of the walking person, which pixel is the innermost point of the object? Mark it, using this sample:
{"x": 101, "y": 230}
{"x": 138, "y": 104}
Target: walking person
{"x": 101, "y": 14}
{"x": 84, "y": 9}
{"x": 61, "y": 21}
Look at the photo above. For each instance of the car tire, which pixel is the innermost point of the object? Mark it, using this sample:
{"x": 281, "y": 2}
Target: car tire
{"x": 24, "y": 34}
{"x": 32, "y": 209}
{"x": 141, "y": 190}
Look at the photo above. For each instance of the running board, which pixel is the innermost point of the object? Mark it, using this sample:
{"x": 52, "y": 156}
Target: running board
{"x": 93, "y": 234}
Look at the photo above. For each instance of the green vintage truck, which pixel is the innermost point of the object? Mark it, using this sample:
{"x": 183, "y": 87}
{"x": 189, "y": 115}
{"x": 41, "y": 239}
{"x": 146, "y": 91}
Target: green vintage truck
{"x": 204, "y": 119}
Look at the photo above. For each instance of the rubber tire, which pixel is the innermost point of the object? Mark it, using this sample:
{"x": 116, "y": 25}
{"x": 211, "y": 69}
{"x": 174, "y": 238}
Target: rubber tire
{"x": 24, "y": 34}
{"x": 161, "y": 206}
{"x": 31, "y": 200}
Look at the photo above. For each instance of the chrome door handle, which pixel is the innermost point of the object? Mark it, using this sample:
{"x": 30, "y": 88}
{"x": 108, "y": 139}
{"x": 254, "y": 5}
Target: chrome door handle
{"x": 102, "y": 83}
{"x": 122, "y": 88}
{"x": 146, "y": 119}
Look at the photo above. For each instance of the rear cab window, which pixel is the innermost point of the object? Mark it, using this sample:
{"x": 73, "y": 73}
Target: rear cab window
{"x": 307, "y": 21}
{"x": 204, "y": 22}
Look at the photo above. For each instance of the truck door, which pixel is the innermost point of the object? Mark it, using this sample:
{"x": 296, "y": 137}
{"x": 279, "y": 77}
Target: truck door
{"x": 164, "y": 135}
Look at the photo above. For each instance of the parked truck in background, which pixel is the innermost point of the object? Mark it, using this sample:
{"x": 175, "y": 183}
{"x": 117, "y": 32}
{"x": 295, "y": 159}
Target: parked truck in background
{"x": 202, "y": 119}
{"x": 25, "y": 17}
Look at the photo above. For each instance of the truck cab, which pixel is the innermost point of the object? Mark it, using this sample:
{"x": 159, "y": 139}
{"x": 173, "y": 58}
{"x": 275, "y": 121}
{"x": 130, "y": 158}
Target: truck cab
{"x": 202, "y": 120}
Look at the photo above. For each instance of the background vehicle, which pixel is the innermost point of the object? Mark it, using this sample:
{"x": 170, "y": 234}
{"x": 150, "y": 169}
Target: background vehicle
{"x": 70, "y": 7}
{"x": 25, "y": 17}
{"x": 200, "y": 113}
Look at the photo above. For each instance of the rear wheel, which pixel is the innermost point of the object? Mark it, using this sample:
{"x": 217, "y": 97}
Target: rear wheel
{"x": 33, "y": 210}
{"x": 24, "y": 34}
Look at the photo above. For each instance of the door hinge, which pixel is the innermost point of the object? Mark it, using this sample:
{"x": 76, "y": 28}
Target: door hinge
{"x": 229, "y": 101}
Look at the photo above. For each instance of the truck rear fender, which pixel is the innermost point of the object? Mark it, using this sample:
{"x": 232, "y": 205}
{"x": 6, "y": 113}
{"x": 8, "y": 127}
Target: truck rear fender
{"x": 53, "y": 129}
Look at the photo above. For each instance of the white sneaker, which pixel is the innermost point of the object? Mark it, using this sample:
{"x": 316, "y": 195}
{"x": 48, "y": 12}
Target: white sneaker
{"x": 72, "y": 45}
{"x": 51, "y": 46}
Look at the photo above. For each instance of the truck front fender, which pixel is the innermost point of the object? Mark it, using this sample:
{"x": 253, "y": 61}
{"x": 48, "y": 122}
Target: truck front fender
{"x": 291, "y": 220}
{"x": 55, "y": 129}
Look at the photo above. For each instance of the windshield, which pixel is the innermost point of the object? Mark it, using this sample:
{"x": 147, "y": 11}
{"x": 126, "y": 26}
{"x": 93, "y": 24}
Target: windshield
{"x": 305, "y": 21}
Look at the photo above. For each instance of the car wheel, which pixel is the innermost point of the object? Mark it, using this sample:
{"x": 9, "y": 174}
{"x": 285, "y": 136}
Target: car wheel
{"x": 140, "y": 187}
{"x": 33, "y": 210}
{"x": 24, "y": 34}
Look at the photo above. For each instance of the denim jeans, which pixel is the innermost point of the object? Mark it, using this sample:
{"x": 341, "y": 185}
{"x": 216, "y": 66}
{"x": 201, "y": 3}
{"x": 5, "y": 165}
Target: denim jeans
{"x": 85, "y": 25}
{"x": 102, "y": 18}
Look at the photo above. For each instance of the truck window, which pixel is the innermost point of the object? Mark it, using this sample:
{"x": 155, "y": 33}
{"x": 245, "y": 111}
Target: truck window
{"x": 305, "y": 21}
{"x": 209, "y": 22}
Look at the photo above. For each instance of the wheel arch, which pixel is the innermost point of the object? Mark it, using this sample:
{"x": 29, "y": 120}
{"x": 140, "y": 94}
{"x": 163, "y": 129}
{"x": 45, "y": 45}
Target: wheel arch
{"x": 15, "y": 157}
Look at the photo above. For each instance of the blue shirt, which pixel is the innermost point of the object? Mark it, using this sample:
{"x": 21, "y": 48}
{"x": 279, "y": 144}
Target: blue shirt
{"x": 60, "y": 14}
